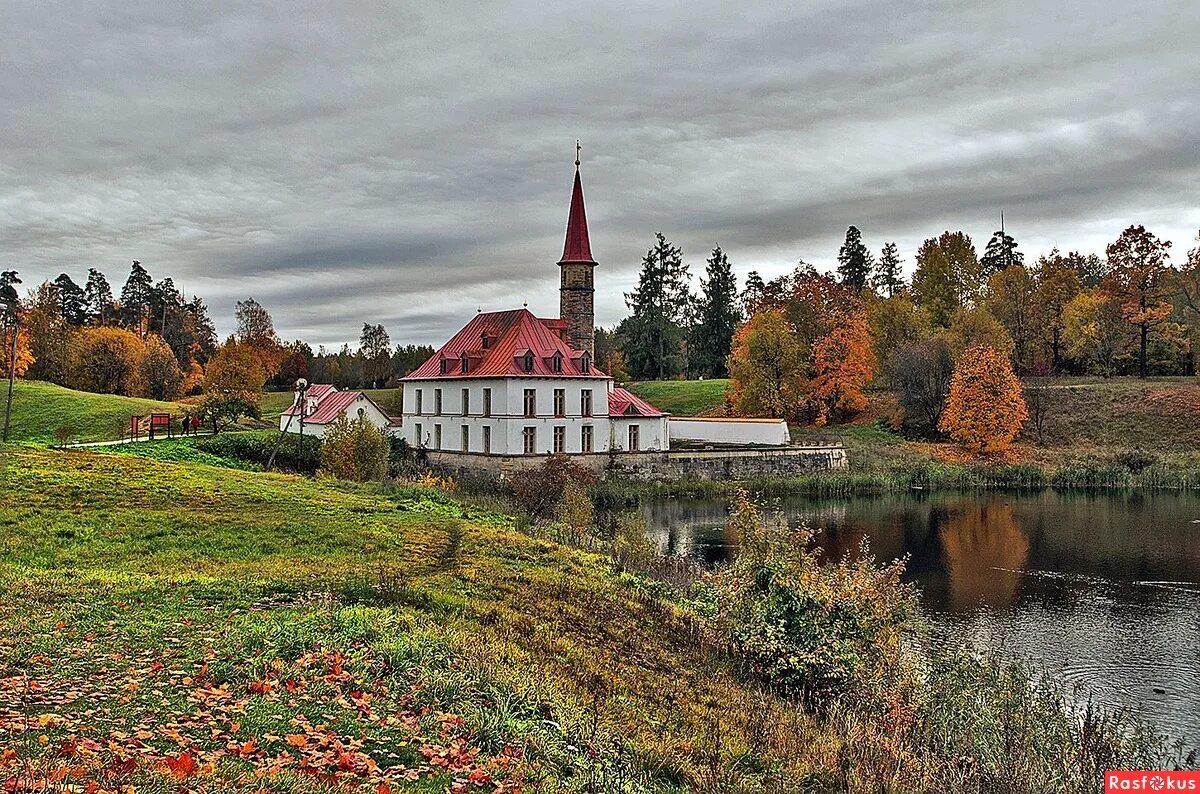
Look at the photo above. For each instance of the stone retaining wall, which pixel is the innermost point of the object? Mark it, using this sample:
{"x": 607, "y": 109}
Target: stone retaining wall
{"x": 682, "y": 464}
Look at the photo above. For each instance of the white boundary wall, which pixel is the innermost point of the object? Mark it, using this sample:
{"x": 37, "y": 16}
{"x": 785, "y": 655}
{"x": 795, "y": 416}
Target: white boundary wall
{"x": 773, "y": 432}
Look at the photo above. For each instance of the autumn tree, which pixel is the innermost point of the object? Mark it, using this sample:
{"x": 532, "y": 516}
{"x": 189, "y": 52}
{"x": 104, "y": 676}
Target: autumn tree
{"x": 919, "y": 376}
{"x": 895, "y": 322}
{"x": 15, "y": 355}
{"x": 985, "y": 408}
{"x": 49, "y": 336}
{"x": 233, "y": 384}
{"x": 843, "y": 364}
{"x": 375, "y": 347}
{"x": 1000, "y": 254}
{"x": 854, "y": 261}
{"x": 1138, "y": 282}
{"x": 718, "y": 316}
{"x": 160, "y": 370}
{"x": 1094, "y": 331}
{"x": 1056, "y": 284}
{"x": 660, "y": 306}
{"x": 947, "y": 275}
{"x": 256, "y": 330}
{"x": 107, "y": 360}
{"x": 972, "y": 327}
{"x": 1011, "y": 298}
{"x": 889, "y": 277}
{"x": 767, "y": 368}
{"x": 354, "y": 450}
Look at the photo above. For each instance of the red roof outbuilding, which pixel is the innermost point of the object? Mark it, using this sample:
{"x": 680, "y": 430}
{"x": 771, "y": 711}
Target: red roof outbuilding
{"x": 623, "y": 402}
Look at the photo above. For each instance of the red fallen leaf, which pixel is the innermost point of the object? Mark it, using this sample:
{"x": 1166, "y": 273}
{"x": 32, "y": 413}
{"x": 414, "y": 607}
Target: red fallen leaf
{"x": 294, "y": 684}
{"x": 247, "y": 748}
{"x": 123, "y": 766}
{"x": 182, "y": 766}
{"x": 383, "y": 788}
{"x": 260, "y": 687}
{"x": 91, "y": 788}
{"x": 154, "y": 668}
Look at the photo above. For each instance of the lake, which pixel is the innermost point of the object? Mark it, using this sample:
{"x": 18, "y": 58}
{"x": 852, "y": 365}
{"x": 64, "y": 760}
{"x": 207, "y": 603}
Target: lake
{"x": 1100, "y": 589}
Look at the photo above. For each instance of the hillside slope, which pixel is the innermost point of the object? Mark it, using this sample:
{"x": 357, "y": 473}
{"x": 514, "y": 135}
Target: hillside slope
{"x": 40, "y": 408}
{"x": 299, "y": 614}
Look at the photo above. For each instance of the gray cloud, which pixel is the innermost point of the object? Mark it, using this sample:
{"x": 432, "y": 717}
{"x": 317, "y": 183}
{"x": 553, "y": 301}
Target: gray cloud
{"x": 365, "y": 161}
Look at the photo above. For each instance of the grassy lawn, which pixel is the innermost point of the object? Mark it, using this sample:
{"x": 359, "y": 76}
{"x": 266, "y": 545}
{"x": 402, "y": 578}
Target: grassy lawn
{"x": 683, "y": 397}
{"x": 39, "y": 408}
{"x": 167, "y": 625}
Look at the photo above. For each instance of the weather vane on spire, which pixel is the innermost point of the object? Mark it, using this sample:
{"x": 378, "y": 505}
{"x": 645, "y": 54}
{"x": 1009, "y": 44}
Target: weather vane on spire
{"x": 577, "y": 149}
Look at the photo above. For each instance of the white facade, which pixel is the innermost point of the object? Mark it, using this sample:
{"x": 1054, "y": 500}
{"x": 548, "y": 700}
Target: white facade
{"x": 495, "y": 419}
{"x": 772, "y": 432}
{"x": 361, "y": 406}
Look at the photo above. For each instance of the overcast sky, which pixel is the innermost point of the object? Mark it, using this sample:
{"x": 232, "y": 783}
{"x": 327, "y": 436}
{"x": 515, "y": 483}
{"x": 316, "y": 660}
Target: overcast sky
{"x": 358, "y": 162}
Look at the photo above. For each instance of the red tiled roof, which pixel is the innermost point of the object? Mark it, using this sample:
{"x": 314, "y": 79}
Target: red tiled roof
{"x": 510, "y": 335}
{"x": 331, "y": 402}
{"x": 577, "y": 248}
{"x": 623, "y": 402}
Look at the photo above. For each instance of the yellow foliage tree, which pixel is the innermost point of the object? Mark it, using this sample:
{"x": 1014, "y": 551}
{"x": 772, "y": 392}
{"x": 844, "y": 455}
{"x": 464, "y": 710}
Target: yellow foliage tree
{"x": 843, "y": 364}
{"x": 355, "y": 450}
{"x": 107, "y": 360}
{"x": 766, "y": 368}
{"x": 24, "y": 358}
{"x": 985, "y": 408}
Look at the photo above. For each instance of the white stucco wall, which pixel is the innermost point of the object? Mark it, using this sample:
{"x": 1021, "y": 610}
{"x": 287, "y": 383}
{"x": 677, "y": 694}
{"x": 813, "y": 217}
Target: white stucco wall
{"x": 508, "y": 421}
{"x": 373, "y": 414}
{"x": 652, "y": 432}
{"x": 730, "y": 431}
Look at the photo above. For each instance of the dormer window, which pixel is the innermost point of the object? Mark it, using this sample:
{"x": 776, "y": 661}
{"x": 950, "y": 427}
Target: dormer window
{"x": 585, "y": 363}
{"x": 527, "y": 361}
{"x": 556, "y": 362}
{"x": 443, "y": 366}
{"x": 484, "y": 342}
{"x": 462, "y": 364}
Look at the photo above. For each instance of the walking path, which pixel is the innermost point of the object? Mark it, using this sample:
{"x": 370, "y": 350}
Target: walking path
{"x": 118, "y": 442}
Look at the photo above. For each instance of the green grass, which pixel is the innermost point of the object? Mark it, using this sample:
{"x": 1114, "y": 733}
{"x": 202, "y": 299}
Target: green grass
{"x": 134, "y": 591}
{"x": 40, "y": 408}
{"x": 683, "y": 397}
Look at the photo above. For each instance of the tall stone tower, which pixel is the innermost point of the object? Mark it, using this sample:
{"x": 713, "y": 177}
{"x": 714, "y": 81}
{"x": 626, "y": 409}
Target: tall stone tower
{"x": 577, "y": 286}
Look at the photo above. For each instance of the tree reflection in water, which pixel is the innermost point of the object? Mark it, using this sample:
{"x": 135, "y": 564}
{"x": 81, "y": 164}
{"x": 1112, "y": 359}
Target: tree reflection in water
{"x": 984, "y": 550}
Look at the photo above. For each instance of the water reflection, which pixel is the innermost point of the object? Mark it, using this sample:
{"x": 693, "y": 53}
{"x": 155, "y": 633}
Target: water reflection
{"x": 1102, "y": 589}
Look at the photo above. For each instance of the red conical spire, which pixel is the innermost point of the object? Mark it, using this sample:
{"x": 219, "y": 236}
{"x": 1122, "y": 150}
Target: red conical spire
{"x": 577, "y": 247}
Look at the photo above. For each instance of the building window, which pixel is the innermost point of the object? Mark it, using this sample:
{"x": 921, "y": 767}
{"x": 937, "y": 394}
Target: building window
{"x": 560, "y": 402}
{"x": 560, "y": 440}
{"x": 585, "y": 438}
{"x": 487, "y": 402}
{"x": 530, "y": 403}
{"x": 419, "y": 396}
{"x": 437, "y": 402}
{"x": 442, "y": 365}
{"x": 462, "y": 364}
{"x": 527, "y": 362}
{"x": 487, "y": 439}
{"x": 420, "y": 439}
{"x": 585, "y": 402}
{"x": 484, "y": 342}
{"x": 633, "y": 438}
{"x": 466, "y": 402}
{"x": 585, "y": 363}
{"x": 437, "y": 436}
{"x": 556, "y": 362}
{"x": 466, "y": 438}
{"x": 529, "y": 439}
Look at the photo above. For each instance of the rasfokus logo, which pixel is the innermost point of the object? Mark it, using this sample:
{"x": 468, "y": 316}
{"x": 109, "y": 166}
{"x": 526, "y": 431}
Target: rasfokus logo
{"x": 1158, "y": 780}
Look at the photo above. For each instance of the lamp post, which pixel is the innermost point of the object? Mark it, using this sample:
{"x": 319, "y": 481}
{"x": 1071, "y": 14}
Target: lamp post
{"x": 300, "y": 388}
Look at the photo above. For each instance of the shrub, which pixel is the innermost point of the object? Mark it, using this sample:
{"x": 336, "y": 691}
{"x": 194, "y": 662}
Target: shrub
{"x": 575, "y": 509}
{"x": 355, "y": 450}
{"x": 296, "y": 453}
{"x": 537, "y": 490}
{"x": 811, "y": 630}
{"x": 1136, "y": 460}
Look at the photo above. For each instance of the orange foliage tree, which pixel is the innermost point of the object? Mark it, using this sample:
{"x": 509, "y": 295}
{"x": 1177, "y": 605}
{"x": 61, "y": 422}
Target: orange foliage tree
{"x": 985, "y": 408}
{"x": 24, "y": 357}
{"x": 843, "y": 364}
{"x": 107, "y": 360}
{"x": 766, "y": 368}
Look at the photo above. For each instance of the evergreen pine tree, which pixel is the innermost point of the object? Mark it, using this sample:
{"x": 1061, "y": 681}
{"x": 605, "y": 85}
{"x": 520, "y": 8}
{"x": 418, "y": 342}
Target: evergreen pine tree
{"x": 135, "y": 298}
{"x": 854, "y": 260}
{"x": 754, "y": 294}
{"x": 1000, "y": 254}
{"x": 888, "y": 276}
{"x": 659, "y": 304}
{"x": 72, "y": 305}
{"x": 99, "y": 297}
{"x": 718, "y": 317}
